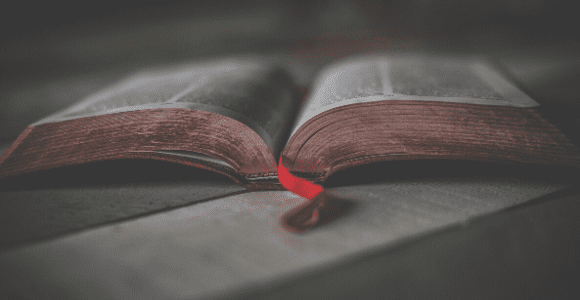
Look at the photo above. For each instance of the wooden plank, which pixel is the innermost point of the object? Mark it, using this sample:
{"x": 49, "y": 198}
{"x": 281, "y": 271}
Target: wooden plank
{"x": 235, "y": 244}
{"x": 52, "y": 203}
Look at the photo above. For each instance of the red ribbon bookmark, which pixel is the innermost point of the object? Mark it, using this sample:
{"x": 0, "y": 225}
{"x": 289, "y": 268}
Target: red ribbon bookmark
{"x": 306, "y": 215}
{"x": 297, "y": 185}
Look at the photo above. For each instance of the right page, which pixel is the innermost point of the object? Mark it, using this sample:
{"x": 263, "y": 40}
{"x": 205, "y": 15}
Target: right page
{"x": 410, "y": 77}
{"x": 418, "y": 106}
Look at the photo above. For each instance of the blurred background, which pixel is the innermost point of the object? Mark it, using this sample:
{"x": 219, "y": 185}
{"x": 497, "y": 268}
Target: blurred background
{"x": 53, "y": 53}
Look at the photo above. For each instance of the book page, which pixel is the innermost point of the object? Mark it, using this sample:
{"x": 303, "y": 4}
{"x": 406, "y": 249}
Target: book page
{"x": 410, "y": 77}
{"x": 256, "y": 93}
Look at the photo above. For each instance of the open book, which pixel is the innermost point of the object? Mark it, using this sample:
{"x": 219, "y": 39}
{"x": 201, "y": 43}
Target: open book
{"x": 239, "y": 116}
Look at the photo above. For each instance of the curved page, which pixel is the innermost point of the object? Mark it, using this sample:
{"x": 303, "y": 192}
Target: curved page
{"x": 247, "y": 90}
{"x": 410, "y": 77}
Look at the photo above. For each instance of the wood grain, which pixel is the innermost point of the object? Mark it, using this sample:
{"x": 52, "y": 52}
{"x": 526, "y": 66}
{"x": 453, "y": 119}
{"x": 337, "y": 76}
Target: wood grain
{"x": 235, "y": 244}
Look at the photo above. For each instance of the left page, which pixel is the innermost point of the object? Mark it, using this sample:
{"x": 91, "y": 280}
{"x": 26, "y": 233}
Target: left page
{"x": 229, "y": 115}
{"x": 250, "y": 90}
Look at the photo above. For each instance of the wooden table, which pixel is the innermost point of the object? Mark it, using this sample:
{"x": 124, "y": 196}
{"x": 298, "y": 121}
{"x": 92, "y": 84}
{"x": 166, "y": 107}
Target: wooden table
{"x": 427, "y": 222}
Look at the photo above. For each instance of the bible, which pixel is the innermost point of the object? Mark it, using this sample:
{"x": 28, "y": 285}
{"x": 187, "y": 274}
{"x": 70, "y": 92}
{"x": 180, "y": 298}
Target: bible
{"x": 241, "y": 116}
